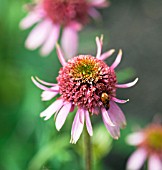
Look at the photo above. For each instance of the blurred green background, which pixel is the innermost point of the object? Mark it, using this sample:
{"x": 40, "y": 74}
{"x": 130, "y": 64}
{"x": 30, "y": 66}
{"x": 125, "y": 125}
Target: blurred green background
{"x": 27, "y": 141}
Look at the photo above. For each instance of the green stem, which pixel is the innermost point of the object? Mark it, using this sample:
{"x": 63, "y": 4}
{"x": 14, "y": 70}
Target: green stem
{"x": 88, "y": 151}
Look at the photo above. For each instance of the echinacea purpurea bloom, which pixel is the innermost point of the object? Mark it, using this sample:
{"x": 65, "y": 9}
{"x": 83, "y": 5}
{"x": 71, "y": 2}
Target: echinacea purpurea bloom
{"x": 51, "y": 16}
{"x": 149, "y": 145}
{"x": 87, "y": 83}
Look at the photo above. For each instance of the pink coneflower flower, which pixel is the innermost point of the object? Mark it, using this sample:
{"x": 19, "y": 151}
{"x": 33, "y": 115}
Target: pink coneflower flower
{"x": 149, "y": 144}
{"x": 51, "y": 16}
{"x": 85, "y": 82}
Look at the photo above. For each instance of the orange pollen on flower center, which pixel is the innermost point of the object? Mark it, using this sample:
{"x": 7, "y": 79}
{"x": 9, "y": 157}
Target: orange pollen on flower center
{"x": 86, "y": 69}
{"x": 65, "y": 11}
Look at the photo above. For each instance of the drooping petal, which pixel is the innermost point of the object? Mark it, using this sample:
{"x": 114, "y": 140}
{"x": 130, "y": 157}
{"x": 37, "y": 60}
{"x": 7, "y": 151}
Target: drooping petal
{"x": 117, "y": 60}
{"x": 106, "y": 54}
{"x": 44, "y": 87}
{"x": 99, "y": 3}
{"x": 52, "y": 109}
{"x": 137, "y": 159}
{"x": 116, "y": 115}
{"x": 30, "y": 20}
{"x": 154, "y": 163}
{"x": 51, "y": 40}
{"x": 119, "y": 100}
{"x": 113, "y": 130}
{"x": 48, "y": 95}
{"x": 77, "y": 127}
{"x": 106, "y": 118}
{"x": 45, "y": 83}
{"x": 82, "y": 116}
{"x": 60, "y": 55}
{"x": 69, "y": 47}
{"x": 127, "y": 85}
{"x": 99, "y": 46}
{"x": 88, "y": 123}
{"x": 62, "y": 115}
{"x": 94, "y": 13}
{"x": 39, "y": 34}
{"x": 135, "y": 138}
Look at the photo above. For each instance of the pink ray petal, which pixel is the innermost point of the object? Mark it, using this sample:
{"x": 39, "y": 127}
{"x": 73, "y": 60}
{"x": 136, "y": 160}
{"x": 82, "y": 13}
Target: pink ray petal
{"x": 154, "y": 163}
{"x": 119, "y": 100}
{"x": 48, "y": 95}
{"x": 38, "y": 35}
{"x": 88, "y": 123}
{"x": 52, "y": 109}
{"x": 45, "y": 83}
{"x": 107, "y": 54}
{"x": 51, "y": 40}
{"x": 117, "y": 60}
{"x": 99, "y": 46}
{"x": 116, "y": 115}
{"x": 30, "y": 20}
{"x": 105, "y": 117}
{"x": 113, "y": 130}
{"x": 77, "y": 127}
{"x": 60, "y": 55}
{"x": 69, "y": 47}
{"x": 62, "y": 115}
{"x": 42, "y": 87}
{"x": 127, "y": 85}
{"x": 135, "y": 138}
{"x": 94, "y": 13}
{"x": 99, "y": 3}
{"x": 81, "y": 116}
{"x": 137, "y": 159}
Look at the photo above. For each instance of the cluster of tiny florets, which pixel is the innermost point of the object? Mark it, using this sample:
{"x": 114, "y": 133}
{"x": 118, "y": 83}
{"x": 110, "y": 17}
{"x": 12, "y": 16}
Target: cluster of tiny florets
{"x": 65, "y": 11}
{"x": 83, "y": 80}
{"x": 86, "y": 70}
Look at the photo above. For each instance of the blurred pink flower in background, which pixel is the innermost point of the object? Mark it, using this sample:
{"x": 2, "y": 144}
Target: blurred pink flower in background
{"x": 149, "y": 145}
{"x": 88, "y": 84}
{"x": 53, "y": 15}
